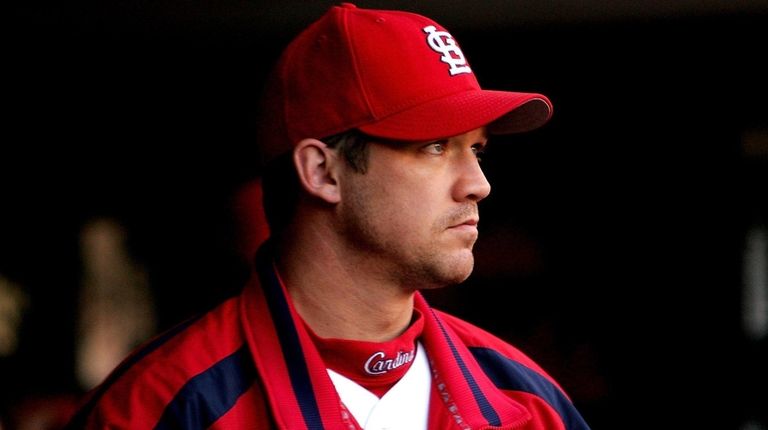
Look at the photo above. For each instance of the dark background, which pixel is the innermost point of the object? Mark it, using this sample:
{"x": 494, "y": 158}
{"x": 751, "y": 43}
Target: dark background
{"x": 611, "y": 247}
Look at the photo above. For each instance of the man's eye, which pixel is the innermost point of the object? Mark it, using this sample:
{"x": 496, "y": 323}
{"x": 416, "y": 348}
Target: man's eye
{"x": 478, "y": 150}
{"x": 435, "y": 148}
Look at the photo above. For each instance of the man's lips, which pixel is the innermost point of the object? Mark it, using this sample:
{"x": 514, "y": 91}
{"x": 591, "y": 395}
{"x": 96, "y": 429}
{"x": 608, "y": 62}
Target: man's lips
{"x": 466, "y": 224}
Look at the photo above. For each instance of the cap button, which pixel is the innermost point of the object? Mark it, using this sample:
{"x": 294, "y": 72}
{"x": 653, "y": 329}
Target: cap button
{"x": 348, "y": 5}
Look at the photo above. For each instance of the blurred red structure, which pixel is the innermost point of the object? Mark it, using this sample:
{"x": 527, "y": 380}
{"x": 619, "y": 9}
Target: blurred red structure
{"x": 251, "y": 219}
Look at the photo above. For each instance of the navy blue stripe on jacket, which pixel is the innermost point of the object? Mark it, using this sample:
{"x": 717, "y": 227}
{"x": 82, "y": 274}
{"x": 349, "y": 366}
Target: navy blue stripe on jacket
{"x": 483, "y": 404}
{"x": 289, "y": 340}
{"x": 508, "y": 374}
{"x": 209, "y": 395}
{"x": 79, "y": 420}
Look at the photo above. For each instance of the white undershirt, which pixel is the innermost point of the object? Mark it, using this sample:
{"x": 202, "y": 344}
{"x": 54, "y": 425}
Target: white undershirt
{"x": 404, "y": 407}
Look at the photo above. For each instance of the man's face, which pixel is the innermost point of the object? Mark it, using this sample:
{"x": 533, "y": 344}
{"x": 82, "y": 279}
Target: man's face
{"x": 413, "y": 215}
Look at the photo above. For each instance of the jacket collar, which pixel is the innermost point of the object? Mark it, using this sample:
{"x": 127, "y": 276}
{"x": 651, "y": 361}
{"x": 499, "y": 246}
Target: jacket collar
{"x": 300, "y": 392}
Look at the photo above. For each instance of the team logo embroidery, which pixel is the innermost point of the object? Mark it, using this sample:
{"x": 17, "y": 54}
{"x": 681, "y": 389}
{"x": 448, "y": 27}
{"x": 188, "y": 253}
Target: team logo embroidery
{"x": 377, "y": 364}
{"x": 443, "y": 43}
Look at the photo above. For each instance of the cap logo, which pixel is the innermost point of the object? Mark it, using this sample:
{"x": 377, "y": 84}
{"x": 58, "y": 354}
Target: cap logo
{"x": 443, "y": 43}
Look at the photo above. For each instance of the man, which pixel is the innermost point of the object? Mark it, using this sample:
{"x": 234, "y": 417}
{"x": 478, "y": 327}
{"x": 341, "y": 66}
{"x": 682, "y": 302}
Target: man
{"x": 373, "y": 124}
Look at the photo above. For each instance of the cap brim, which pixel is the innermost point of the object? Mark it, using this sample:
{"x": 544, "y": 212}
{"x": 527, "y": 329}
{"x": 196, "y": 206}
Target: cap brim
{"x": 502, "y": 112}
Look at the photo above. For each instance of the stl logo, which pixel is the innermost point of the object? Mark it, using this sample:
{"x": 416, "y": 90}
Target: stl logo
{"x": 443, "y": 43}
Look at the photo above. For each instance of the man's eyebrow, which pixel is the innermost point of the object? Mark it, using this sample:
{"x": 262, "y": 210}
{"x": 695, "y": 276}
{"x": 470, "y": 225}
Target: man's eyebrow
{"x": 401, "y": 143}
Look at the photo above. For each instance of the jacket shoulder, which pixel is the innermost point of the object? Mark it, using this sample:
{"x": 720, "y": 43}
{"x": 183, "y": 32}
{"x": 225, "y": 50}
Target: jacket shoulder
{"x": 519, "y": 376}
{"x": 171, "y": 367}
{"x": 475, "y": 337}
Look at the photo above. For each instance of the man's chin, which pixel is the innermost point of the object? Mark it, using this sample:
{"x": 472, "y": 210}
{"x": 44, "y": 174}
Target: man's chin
{"x": 454, "y": 271}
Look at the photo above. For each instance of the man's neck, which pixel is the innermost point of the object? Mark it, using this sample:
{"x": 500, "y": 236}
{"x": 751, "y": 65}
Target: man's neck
{"x": 337, "y": 297}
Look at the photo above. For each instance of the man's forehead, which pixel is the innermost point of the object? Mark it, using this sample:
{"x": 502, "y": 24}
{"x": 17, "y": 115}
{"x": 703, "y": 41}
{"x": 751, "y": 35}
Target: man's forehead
{"x": 478, "y": 135}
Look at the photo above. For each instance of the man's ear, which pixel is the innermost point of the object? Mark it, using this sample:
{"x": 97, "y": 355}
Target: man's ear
{"x": 316, "y": 167}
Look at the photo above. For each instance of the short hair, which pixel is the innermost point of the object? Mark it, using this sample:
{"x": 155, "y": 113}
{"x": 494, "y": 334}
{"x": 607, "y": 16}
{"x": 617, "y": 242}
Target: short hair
{"x": 281, "y": 183}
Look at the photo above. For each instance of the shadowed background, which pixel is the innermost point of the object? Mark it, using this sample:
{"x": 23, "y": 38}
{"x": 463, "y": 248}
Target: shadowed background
{"x": 615, "y": 247}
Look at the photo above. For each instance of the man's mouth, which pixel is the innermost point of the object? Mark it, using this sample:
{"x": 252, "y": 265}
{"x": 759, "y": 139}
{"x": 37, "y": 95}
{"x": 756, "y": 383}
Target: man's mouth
{"x": 470, "y": 223}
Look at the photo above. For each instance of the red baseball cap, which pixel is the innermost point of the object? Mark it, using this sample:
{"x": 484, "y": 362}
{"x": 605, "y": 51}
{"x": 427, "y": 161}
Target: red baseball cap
{"x": 390, "y": 74}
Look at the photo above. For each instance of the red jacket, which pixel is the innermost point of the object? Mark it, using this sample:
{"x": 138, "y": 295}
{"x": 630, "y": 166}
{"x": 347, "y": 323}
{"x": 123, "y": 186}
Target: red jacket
{"x": 249, "y": 363}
